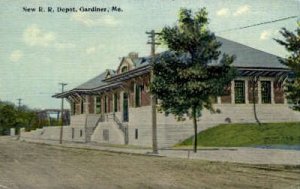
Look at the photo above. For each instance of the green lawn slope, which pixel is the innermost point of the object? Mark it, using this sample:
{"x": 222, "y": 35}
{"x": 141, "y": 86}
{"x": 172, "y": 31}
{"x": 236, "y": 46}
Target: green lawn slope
{"x": 234, "y": 135}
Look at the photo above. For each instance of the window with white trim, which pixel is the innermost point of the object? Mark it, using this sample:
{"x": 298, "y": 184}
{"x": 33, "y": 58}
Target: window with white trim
{"x": 265, "y": 92}
{"x": 239, "y": 91}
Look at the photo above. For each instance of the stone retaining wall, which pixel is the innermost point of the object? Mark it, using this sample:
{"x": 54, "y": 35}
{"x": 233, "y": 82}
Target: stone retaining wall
{"x": 169, "y": 130}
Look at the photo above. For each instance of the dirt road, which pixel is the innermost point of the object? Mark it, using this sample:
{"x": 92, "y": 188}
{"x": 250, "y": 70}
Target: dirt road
{"x": 36, "y": 166}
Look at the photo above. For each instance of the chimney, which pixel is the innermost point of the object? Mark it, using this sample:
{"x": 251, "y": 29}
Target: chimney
{"x": 133, "y": 55}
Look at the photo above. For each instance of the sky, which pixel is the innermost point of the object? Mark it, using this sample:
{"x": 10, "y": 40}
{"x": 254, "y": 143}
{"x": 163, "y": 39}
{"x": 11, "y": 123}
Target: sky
{"x": 39, "y": 50}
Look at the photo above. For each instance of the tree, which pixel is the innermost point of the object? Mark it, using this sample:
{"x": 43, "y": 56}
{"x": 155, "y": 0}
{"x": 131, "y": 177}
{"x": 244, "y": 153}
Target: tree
{"x": 191, "y": 73}
{"x": 292, "y": 45}
{"x": 7, "y": 118}
{"x": 13, "y": 117}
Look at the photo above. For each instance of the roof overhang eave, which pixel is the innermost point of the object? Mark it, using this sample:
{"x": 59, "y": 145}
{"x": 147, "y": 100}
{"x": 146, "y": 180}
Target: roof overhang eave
{"x": 93, "y": 91}
{"x": 264, "y": 72}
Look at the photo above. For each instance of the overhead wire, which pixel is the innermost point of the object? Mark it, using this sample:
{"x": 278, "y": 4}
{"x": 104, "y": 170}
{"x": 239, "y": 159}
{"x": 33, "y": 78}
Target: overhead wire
{"x": 258, "y": 24}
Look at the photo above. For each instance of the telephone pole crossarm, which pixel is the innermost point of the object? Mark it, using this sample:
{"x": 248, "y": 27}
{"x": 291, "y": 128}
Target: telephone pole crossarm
{"x": 19, "y": 102}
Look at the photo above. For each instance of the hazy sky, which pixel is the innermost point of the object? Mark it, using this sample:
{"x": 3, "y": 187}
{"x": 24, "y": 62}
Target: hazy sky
{"x": 40, "y": 49}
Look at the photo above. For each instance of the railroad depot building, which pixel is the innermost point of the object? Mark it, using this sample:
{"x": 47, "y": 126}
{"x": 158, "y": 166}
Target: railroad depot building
{"x": 115, "y": 106}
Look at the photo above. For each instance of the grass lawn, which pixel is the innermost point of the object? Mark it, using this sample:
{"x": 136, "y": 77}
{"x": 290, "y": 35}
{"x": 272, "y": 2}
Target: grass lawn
{"x": 234, "y": 135}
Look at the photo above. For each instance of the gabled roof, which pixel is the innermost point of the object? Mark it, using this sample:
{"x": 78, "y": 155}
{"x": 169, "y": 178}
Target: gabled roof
{"x": 248, "y": 57}
{"x": 96, "y": 81}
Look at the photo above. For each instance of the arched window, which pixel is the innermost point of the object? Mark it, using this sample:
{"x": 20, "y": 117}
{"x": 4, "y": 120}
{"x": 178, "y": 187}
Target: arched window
{"x": 124, "y": 69}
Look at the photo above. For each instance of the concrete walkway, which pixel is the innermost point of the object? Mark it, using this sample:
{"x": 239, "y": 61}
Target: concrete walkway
{"x": 236, "y": 154}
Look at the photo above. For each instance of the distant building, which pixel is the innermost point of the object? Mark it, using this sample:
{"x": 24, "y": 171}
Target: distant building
{"x": 115, "y": 106}
{"x": 52, "y": 116}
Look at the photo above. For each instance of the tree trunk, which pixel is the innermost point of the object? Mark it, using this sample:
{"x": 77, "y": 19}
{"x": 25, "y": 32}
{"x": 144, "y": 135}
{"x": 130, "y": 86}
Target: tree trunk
{"x": 255, "y": 113}
{"x": 195, "y": 129}
{"x": 254, "y": 99}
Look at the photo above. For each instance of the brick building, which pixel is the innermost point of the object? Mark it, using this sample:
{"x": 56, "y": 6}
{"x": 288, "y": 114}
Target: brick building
{"x": 115, "y": 106}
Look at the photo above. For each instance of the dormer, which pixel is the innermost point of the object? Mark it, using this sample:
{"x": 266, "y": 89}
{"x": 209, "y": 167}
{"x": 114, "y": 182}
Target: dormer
{"x": 128, "y": 63}
{"x": 109, "y": 73}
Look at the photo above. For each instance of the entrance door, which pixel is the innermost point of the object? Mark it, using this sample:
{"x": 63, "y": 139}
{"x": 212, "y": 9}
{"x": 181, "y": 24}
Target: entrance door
{"x": 125, "y": 107}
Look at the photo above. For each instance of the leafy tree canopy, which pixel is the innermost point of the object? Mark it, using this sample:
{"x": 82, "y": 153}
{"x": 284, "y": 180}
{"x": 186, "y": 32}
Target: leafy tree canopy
{"x": 187, "y": 77}
{"x": 192, "y": 73}
{"x": 291, "y": 43}
{"x": 14, "y": 117}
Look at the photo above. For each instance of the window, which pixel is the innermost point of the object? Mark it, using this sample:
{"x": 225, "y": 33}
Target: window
{"x": 226, "y": 97}
{"x": 125, "y": 107}
{"x": 136, "y": 133}
{"x": 124, "y": 69}
{"x": 115, "y": 102}
{"x": 266, "y": 92}
{"x": 81, "y": 133}
{"x": 142, "y": 87}
{"x": 137, "y": 95}
{"x": 98, "y": 105}
{"x": 239, "y": 92}
{"x": 74, "y": 108}
{"x": 105, "y": 104}
{"x": 81, "y": 107}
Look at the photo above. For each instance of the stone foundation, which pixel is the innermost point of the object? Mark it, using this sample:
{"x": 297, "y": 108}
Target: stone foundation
{"x": 87, "y": 128}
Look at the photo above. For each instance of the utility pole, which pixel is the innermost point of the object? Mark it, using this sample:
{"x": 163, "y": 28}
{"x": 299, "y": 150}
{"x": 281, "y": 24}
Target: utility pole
{"x": 19, "y": 103}
{"x": 61, "y": 113}
{"x": 153, "y": 97}
{"x": 19, "y": 109}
